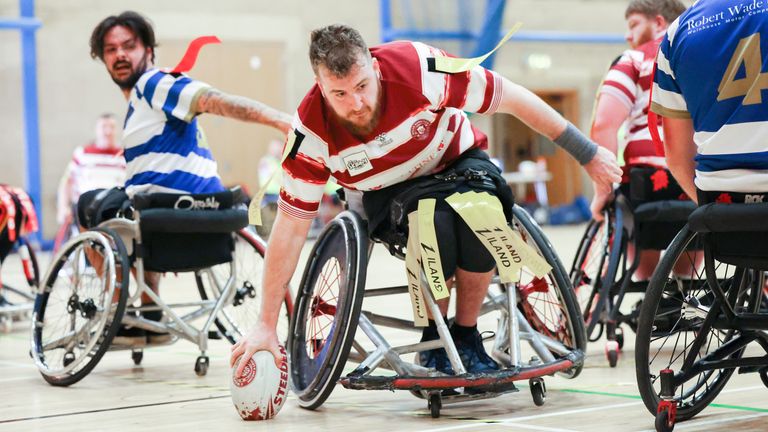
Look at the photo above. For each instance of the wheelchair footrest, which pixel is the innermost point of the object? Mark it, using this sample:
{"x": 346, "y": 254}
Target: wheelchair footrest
{"x": 496, "y": 382}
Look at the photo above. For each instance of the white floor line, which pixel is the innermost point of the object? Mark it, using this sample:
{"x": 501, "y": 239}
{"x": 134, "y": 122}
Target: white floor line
{"x": 534, "y": 417}
{"x": 534, "y": 427}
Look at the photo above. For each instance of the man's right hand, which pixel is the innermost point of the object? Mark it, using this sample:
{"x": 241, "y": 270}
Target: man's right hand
{"x": 603, "y": 169}
{"x": 261, "y": 338}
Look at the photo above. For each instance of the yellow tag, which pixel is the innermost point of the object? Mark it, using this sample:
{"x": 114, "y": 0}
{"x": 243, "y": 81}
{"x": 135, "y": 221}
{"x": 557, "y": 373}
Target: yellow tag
{"x": 254, "y": 209}
{"x": 481, "y": 213}
{"x": 413, "y": 268}
{"x": 531, "y": 258}
{"x": 455, "y": 65}
{"x": 430, "y": 254}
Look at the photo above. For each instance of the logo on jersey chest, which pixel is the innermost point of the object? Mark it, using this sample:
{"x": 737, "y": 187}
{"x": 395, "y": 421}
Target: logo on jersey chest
{"x": 357, "y": 163}
{"x": 420, "y": 129}
{"x": 383, "y": 139}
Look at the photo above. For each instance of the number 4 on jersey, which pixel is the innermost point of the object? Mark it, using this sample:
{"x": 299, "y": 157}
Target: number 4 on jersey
{"x": 754, "y": 82}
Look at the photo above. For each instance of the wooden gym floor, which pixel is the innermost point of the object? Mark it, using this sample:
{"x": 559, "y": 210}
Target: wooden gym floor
{"x": 164, "y": 393}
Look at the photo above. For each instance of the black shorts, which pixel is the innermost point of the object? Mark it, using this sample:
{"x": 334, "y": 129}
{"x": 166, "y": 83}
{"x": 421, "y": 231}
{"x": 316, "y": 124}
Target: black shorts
{"x": 459, "y": 246}
{"x": 651, "y": 184}
{"x": 98, "y": 205}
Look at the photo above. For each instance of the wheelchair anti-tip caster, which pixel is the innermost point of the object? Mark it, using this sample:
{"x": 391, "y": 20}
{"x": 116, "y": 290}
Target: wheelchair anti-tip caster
{"x": 137, "y": 355}
{"x": 612, "y": 352}
{"x": 667, "y": 410}
{"x": 201, "y": 365}
{"x": 538, "y": 391}
{"x": 435, "y": 403}
{"x": 620, "y": 337}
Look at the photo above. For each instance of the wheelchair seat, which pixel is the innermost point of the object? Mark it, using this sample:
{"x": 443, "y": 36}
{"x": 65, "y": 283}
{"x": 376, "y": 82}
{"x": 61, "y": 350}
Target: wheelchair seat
{"x": 186, "y": 232}
{"x": 738, "y": 232}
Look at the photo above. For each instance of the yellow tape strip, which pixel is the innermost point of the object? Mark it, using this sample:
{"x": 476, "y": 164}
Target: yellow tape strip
{"x": 456, "y": 65}
{"x": 480, "y": 214}
{"x": 254, "y": 209}
{"x": 430, "y": 254}
{"x": 485, "y": 216}
{"x": 412, "y": 269}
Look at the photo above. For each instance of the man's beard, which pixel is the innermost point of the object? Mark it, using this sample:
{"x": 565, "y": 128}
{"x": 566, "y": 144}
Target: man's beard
{"x": 365, "y": 130}
{"x": 133, "y": 78}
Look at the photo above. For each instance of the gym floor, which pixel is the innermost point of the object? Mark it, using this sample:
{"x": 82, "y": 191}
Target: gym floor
{"x": 165, "y": 394}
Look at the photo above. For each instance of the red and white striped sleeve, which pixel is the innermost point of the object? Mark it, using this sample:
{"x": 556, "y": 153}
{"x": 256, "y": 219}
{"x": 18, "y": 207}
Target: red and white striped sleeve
{"x": 622, "y": 79}
{"x": 478, "y": 90}
{"x": 304, "y": 174}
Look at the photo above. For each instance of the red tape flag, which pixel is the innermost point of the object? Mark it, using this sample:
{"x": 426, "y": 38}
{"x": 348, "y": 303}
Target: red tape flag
{"x": 190, "y": 57}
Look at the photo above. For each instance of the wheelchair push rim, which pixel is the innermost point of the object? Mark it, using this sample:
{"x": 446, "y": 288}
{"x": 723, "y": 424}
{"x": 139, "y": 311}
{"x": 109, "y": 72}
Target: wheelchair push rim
{"x": 327, "y": 309}
{"x": 77, "y": 311}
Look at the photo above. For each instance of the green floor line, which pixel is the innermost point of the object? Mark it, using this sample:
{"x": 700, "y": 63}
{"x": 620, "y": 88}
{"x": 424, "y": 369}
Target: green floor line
{"x": 629, "y": 396}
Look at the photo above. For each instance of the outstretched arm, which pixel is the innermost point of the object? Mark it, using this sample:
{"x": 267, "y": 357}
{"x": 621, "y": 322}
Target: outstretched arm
{"x": 285, "y": 243}
{"x": 599, "y": 163}
{"x": 242, "y": 108}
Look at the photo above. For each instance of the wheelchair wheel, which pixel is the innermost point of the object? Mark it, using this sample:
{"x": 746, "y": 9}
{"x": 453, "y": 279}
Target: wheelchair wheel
{"x": 241, "y": 311}
{"x": 587, "y": 270}
{"x": 80, "y": 305}
{"x": 670, "y": 327}
{"x": 549, "y": 303}
{"x": 328, "y": 306}
{"x": 21, "y": 290}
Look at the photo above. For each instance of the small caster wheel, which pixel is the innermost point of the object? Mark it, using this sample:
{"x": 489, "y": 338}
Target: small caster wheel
{"x": 137, "y": 355}
{"x": 662, "y": 423}
{"x": 620, "y": 337}
{"x": 612, "y": 353}
{"x": 538, "y": 391}
{"x": 434, "y": 404}
{"x": 201, "y": 366}
{"x": 69, "y": 357}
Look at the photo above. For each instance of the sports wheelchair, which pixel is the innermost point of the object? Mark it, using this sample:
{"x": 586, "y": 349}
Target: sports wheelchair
{"x": 86, "y": 295}
{"x": 696, "y": 330}
{"x": 601, "y": 272}
{"x": 328, "y": 312}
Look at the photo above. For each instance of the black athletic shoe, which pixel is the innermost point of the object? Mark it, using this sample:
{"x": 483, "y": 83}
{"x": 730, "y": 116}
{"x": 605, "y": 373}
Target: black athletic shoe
{"x": 435, "y": 359}
{"x": 152, "y": 336}
{"x": 473, "y": 355}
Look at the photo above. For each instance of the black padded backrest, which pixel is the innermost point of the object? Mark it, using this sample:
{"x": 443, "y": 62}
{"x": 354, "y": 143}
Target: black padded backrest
{"x": 664, "y": 211}
{"x": 738, "y": 233}
{"x": 181, "y": 221}
{"x": 212, "y": 201}
{"x": 721, "y": 218}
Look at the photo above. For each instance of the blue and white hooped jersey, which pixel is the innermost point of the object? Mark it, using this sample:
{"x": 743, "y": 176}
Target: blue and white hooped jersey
{"x": 165, "y": 148}
{"x": 712, "y": 67}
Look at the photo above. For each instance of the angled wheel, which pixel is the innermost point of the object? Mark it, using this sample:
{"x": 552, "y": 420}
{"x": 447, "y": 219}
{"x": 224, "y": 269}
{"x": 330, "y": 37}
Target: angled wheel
{"x": 18, "y": 290}
{"x": 588, "y": 268}
{"x": 241, "y": 310}
{"x": 676, "y": 326}
{"x": 80, "y": 305}
{"x": 328, "y": 306}
{"x": 549, "y": 303}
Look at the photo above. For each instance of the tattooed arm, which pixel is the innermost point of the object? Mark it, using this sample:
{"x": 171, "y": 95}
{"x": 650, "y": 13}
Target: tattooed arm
{"x": 241, "y": 108}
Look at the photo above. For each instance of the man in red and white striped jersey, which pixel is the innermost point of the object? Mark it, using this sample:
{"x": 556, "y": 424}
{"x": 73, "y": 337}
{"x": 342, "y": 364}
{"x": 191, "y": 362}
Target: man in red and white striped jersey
{"x": 99, "y": 165}
{"x": 377, "y": 120}
{"x": 624, "y": 98}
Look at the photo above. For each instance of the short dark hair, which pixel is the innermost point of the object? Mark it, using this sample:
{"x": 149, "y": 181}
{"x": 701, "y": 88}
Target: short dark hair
{"x": 669, "y": 9}
{"x": 139, "y": 25}
{"x": 107, "y": 115}
{"x": 337, "y": 47}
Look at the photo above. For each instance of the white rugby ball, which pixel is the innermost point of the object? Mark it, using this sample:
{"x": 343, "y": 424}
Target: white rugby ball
{"x": 260, "y": 392}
